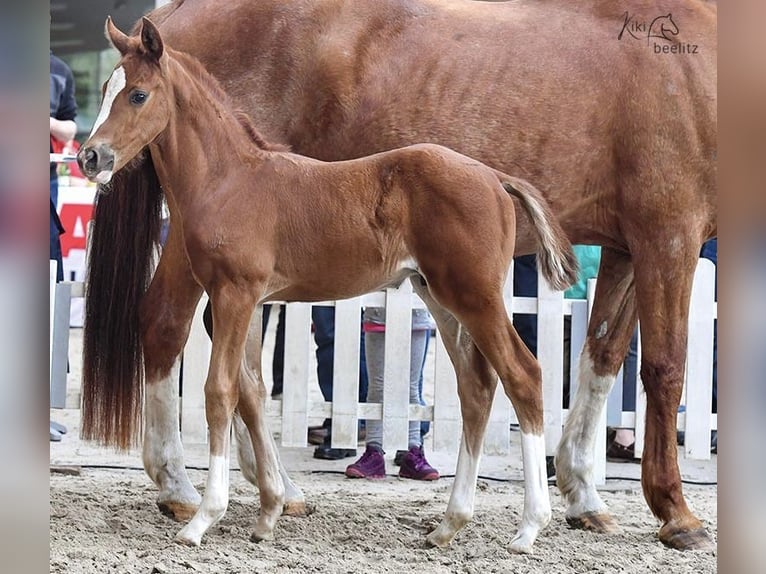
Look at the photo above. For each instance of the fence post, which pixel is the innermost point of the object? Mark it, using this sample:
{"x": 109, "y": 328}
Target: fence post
{"x": 699, "y": 369}
{"x": 550, "y": 350}
{"x": 196, "y": 362}
{"x": 60, "y": 304}
{"x": 396, "y": 370}
{"x": 448, "y": 422}
{"x": 296, "y": 374}
{"x": 345, "y": 377}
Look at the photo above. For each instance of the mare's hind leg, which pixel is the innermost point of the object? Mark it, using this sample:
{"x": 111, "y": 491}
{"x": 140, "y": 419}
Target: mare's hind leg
{"x": 295, "y": 501}
{"x": 664, "y": 283}
{"x": 232, "y": 309}
{"x": 166, "y": 312}
{"x": 612, "y": 322}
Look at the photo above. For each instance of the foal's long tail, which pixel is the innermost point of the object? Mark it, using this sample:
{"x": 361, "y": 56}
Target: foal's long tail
{"x": 123, "y": 238}
{"x": 555, "y": 255}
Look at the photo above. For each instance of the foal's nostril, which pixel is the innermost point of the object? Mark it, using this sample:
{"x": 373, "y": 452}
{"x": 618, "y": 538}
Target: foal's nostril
{"x": 87, "y": 159}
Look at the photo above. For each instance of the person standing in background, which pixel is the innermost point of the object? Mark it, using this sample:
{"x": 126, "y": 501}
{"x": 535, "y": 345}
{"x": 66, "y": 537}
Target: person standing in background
{"x": 63, "y": 129}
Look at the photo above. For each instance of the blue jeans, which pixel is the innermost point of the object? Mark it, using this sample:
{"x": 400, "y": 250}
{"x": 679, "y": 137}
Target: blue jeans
{"x": 324, "y": 336}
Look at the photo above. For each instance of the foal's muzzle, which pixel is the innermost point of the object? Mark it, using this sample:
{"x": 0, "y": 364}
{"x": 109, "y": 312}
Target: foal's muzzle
{"x": 96, "y": 162}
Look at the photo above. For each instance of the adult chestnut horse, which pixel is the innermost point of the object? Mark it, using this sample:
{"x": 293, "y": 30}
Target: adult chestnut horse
{"x": 618, "y": 131}
{"x": 256, "y": 224}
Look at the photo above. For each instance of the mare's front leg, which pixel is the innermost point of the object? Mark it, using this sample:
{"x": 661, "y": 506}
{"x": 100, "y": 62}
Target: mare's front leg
{"x": 612, "y": 322}
{"x": 232, "y": 309}
{"x": 664, "y": 283}
{"x": 166, "y": 313}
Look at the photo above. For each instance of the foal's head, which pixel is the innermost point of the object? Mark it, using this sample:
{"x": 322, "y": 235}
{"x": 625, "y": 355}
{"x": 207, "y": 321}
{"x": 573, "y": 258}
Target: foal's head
{"x": 136, "y": 103}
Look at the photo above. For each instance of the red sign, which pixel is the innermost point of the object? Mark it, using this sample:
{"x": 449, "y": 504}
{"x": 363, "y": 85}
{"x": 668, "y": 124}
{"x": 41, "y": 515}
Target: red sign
{"x": 74, "y": 218}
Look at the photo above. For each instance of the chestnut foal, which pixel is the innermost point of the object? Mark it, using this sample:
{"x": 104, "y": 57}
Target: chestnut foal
{"x": 257, "y": 224}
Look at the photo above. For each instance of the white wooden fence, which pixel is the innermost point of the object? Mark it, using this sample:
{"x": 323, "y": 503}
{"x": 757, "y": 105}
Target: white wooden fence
{"x": 295, "y": 407}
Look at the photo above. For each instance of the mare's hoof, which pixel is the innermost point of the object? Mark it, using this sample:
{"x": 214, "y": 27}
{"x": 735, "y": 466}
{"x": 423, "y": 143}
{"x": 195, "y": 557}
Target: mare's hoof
{"x": 697, "y": 539}
{"x": 178, "y": 511}
{"x": 600, "y": 522}
{"x": 296, "y": 508}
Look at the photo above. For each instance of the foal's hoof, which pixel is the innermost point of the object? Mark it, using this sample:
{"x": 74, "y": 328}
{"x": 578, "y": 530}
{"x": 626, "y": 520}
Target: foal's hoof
{"x": 178, "y": 511}
{"x": 185, "y": 540}
{"x": 438, "y": 540}
{"x": 257, "y": 536}
{"x": 296, "y": 508}
{"x": 697, "y": 539}
{"x": 600, "y": 522}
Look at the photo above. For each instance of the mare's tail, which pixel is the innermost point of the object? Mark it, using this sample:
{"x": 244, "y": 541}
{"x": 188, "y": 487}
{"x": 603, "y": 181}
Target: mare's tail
{"x": 554, "y": 254}
{"x": 124, "y": 234}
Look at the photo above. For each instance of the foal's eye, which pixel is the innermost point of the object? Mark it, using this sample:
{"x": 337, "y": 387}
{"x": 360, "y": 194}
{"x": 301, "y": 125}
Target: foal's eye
{"x": 137, "y": 98}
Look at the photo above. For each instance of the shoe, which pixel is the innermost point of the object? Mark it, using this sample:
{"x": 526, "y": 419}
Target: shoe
{"x": 620, "y": 453}
{"x": 61, "y": 429}
{"x": 55, "y": 435}
{"x": 370, "y": 465}
{"x": 416, "y": 467}
{"x": 325, "y": 452}
{"x": 317, "y": 435}
{"x": 399, "y": 457}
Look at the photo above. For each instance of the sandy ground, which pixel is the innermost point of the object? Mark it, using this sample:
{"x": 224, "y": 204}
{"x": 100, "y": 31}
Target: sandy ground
{"x": 103, "y": 518}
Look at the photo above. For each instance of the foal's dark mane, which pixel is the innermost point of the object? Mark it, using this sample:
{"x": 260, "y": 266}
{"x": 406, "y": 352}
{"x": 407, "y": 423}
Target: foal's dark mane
{"x": 194, "y": 67}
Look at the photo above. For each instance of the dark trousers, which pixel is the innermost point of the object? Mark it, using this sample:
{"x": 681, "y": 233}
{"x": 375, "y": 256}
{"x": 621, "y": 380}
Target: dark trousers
{"x": 56, "y": 230}
{"x": 525, "y": 285}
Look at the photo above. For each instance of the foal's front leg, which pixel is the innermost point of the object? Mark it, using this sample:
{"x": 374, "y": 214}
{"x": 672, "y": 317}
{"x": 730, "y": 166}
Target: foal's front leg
{"x": 231, "y": 315}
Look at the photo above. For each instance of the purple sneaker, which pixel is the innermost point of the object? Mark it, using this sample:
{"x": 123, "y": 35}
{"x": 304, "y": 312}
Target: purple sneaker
{"x": 415, "y": 466}
{"x": 370, "y": 465}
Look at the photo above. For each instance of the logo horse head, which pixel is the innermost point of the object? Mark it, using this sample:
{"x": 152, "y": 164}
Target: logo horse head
{"x": 662, "y": 27}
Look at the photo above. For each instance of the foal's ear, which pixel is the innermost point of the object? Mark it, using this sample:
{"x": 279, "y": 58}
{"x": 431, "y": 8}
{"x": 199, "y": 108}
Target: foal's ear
{"x": 150, "y": 39}
{"x": 115, "y": 36}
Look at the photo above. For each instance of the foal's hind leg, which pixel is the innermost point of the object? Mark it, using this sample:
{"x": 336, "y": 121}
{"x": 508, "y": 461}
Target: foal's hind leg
{"x": 612, "y": 322}
{"x": 521, "y": 376}
{"x": 476, "y": 384}
{"x": 476, "y": 388}
{"x": 166, "y": 312}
